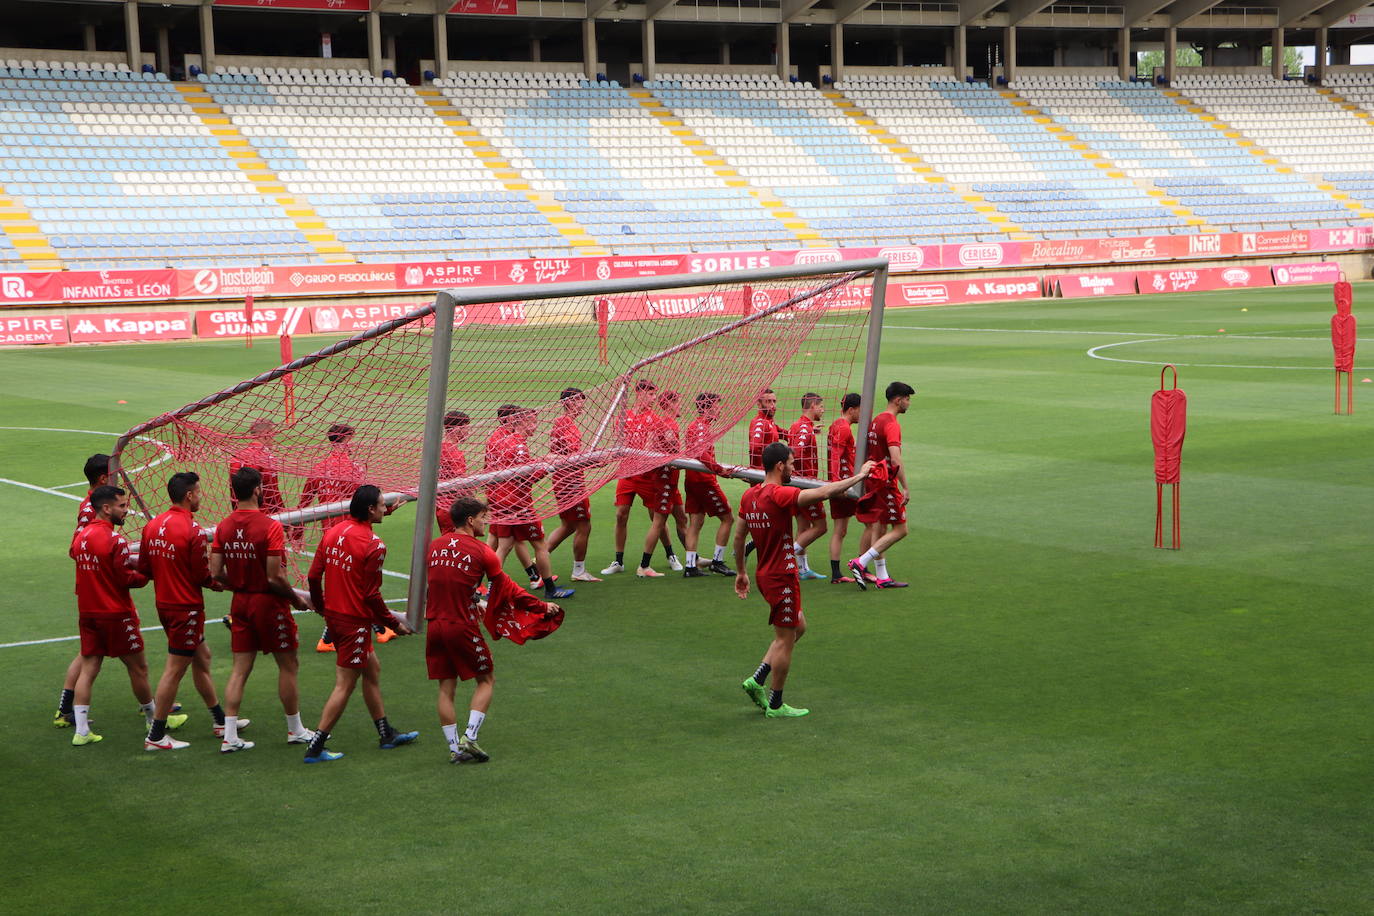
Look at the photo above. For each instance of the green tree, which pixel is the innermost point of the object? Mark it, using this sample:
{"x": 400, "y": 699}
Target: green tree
{"x": 1149, "y": 60}
{"x": 1292, "y": 60}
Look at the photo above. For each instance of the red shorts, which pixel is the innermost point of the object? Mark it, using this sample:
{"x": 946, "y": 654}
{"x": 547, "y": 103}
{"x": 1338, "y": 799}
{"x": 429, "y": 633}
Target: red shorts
{"x": 707, "y": 498}
{"x": 885, "y": 507}
{"x": 661, "y": 493}
{"x": 815, "y": 512}
{"x": 530, "y": 532}
{"x": 455, "y": 649}
{"x": 261, "y": 623}
{"x": 627, "y": 488}
{"x": 352, "y": 640}
{"x": 185, "y": 628}
{"x": 784, "y": 600}
{"x": 581, "y": 512}
{"x": 110, "y": 637}
{"x": 843, "y": 507}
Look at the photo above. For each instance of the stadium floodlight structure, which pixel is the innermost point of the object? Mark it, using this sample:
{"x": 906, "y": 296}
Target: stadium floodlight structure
{"x": 480, "y": 364}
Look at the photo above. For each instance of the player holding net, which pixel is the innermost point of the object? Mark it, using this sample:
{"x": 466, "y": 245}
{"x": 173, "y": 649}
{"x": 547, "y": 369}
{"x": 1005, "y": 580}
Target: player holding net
{"x": 389, "y": 384}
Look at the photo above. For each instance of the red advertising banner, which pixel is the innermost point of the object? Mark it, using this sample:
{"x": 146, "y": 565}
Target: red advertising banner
{"x": 350, "y": 319}
{"x": 272, "y": 321}
{"x": 484, "y": 7}
{"x": 1188, "y": 279}
{"x": 342, "y": 6}
{"x": 120, "y": 327}
{"x": 1315, "y": 272}
{"x": 983, "y": 255}
{"x": 972, "y": 289}
{"x": 87, "y": 286}
{"x": 329, "y": 280}
{"x": 1075, "y": 286}
{"x": 1287, "y": 240}
{"x": 33, "y": 329}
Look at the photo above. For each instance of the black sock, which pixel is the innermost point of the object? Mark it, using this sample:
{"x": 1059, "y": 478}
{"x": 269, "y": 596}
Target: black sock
{"x": 550, "y": 587}
{"x": 748, "y": 548}
{"x": 158, "y": 730}
{"x": 775, "y": 699}
{"x": 668, "y": 549}
{"x": 64, "y": 705}
{"x": 384, "y": 729}
{"x": 317, "y": 743}
{"x": 532, "y": 571}
{"x": 620, "y": 557}
{"x": 761, "y": 674}
{"x": 326, "y": 637}
{"x": 217, "y": 713}
{"x": 645, "y": 562}
{"x": 835, "y": 570}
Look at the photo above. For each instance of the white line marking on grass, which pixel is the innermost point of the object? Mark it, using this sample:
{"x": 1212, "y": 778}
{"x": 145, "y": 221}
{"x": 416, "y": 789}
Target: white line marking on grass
{"x": 1095, "y": 353}
{"x": 29, "y": 486}
{"x": 94, "y": 432}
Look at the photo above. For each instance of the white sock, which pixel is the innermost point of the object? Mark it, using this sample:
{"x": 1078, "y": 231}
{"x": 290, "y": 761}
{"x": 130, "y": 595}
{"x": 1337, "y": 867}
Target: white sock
{"x": 868, "y": 556}
{"x": 720, "y": 554}
{"x": 691, "y": 558}
{"x": 231, "y": 729}
{"x": 451, "y": 736}
{"x": 293, "y": 723}
{"x": 83, "y": 719}
{"x": 802, "y": 564}
{"x": 579, "y": 567}
{"x": 147, "y": 710}
{"x": 475, "y": 720}
{"x": 880, "y": 568}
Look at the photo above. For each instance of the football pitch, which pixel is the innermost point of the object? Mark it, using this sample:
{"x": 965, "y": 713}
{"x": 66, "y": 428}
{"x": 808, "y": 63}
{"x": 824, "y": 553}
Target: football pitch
{"x": 1054, "y": 717}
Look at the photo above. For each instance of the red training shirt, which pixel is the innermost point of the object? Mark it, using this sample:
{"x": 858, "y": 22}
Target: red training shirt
{"x": 762, "y": 432}
{"x": 104, "y": 572}
{"x": 346, "y": 574}
{"x": 883, "y": 432}
{"x": 85, "y": 513}
{"x": 805, "y": 451}
{"x": 700, "y": 446}
{"x": 843, "y": 450}
{"x": 566, "y": 440}
{"x": 332, "y": 480}
{"x": 171, "y": 552}
{"x": 506, "y": 448}
{"x": 245, "y": 539}
{"x": 767, "y": 510}
{"x": 258, "y": 456}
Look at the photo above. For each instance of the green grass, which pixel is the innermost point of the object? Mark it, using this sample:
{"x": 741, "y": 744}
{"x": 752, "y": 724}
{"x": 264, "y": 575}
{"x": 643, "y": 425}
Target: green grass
{"x": 1055, "y": 717}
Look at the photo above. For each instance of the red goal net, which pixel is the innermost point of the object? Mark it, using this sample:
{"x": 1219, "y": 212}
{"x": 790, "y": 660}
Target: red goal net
{"x": 354, "y": 412}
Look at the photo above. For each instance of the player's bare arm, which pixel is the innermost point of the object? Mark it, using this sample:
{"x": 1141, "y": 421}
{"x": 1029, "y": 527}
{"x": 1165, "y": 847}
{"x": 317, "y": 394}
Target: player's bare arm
{"x": 834, "y": 488}
{"x": 742, "y": 576}
{"x": 276, "y": 581}
{"x": 217, "y": 573}
{"x": 894, "y": 455}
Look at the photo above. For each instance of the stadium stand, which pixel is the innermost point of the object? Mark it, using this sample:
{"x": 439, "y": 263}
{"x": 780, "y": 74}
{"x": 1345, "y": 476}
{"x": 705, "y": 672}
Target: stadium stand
{"x": 626, "y": 178}
{"x": 789, "y": 138}
{"x": 1357, "y": 91}
{"x": 978, "y": 137}
{"x": 382, "y": 170}
{"x": 117, "y": 170}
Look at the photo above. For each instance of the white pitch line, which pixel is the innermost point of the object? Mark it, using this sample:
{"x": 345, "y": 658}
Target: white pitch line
{"x": 30, "y": 486}
{"x": 91, "y": 432}
{"x": 1095, "y": 353}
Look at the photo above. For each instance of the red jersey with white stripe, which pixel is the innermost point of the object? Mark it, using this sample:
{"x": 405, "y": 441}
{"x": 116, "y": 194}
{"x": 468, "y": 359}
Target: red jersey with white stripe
{"x": 762, "y": 432}
{"x": 700, "y": 446}
{"x": 171, "y": 552}
{"x": 457, "y": 565}
{"x": 842, "y": 448}
{"x": 258, "y": 456}
{"x": 332, "y": 480}
{"x": 348, "y": 570}
{"x": 452, "y": 465}
{"x": 85, "y": 513}
{"x": 104, "y": 571}
{"x": 805, "y": 451}
{"x": 767, "y": 510}
{"x": 566, "y": 440}
{"x": 506, "y": 448}
{"x": 245, "y": 539}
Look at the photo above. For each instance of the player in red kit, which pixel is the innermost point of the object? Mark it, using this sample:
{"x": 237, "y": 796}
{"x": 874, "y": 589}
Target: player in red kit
{"x": 841, "y": 448}
{"x": 883, "y": 511}
{"x": 106, "y": 617}
{"x": 763, "y": 429}
{"x": 247, "y": 557}
{"x": 638, "y": 425}
{"x": 454, "y": 646}
{"x": 259, "y": 455}
{"x": 97, "y": 471}
{"x": 346, "y": 587}
{"x": 453, "y": 464}
{"x": 766, "y": 511}
{"x": 508, "y": 447}
{"x": 172, "y": 553}
{"x": 660, "y": 484}
{"x": 704, "y": 495}
{"x": 570, "y": 486}
{"x": 803, "y": 438}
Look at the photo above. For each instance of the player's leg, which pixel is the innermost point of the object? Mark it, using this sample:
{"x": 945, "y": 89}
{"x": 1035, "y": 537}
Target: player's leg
{"x": 624, "y": 498}
{"x": 241, "y": 668}
{"x": 561, "y": 534}
{"x": 64, "y": 717}
{"x": 178, "y": 661}
{"x": 723, "y": 532}
{"x": 503, "y": 545}
{"x": 136, "y": 665}
{"x": 289, "y": 691}
{"x": 81, "y": 697}
{"x": 858, "y": 567}
{"x": 837, "y": 536}
{"x": 345, "y": 679}
{"x": 204, "y": 681}
{"x": 815, "y": 528}
{"x": 545, "y": 567}
{"x": 658, "y": 522}
{"x": 779, "y": 657}
{"x": 889, "y": 538}
{"x": 527, "y": 563}
{"x": 467, "y": 748}
{"x": 582, "y": 536}
{"x": 387, "y": 736}
{"x": 690, "y": 540}
{"x": 448, "y": 715}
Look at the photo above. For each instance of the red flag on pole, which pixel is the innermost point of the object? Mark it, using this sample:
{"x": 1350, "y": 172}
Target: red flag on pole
{"x": 603, "y": 322}
{"x": 1343, "y": 343}
{"x": 248, "y": 319}
{"x": 1168, "y": 423}
{"x": 288, "y": 383}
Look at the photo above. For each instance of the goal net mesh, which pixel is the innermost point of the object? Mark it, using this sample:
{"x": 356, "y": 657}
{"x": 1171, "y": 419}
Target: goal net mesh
{"x": 353, "y": 412}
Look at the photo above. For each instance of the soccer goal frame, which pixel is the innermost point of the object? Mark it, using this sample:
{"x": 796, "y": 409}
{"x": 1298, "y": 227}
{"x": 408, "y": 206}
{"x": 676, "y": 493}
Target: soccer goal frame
{"x": 441, "y": 313}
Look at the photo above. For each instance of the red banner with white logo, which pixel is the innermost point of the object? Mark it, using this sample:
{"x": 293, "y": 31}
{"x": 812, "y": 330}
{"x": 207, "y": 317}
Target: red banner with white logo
{"x": 1316, "y": 272}
{"x": 272, "y": 321}
{"x": 121, "y": 327}
{"x": 33, "y": 329}
{"x": 1076, "y": 286}
{"x": 484, "y": 7}
{"x": 969, "y": 289}
{"x": 1190, "y": 279}
{"x": 341, "y": 6}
